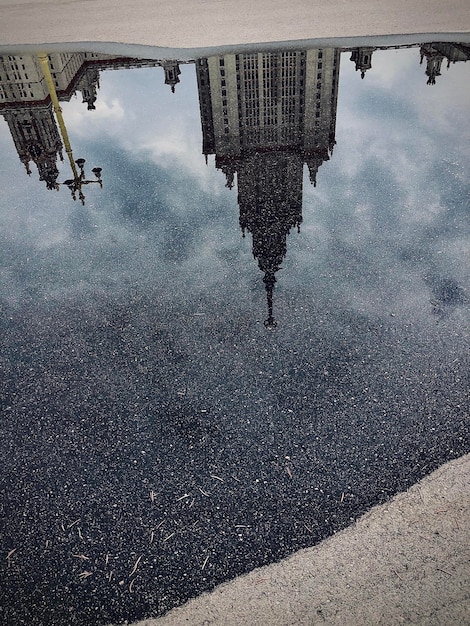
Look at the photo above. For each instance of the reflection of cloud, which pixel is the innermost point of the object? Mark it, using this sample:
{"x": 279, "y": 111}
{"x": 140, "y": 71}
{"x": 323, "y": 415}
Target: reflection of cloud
{"x": 374, "y": 228}
{"x": 151, "y": 123}
{"x": 134, "y": 329}
{"x": 105, "y": 119}
{"x": 389, "y": 68}
{"x": 386, "y": 197}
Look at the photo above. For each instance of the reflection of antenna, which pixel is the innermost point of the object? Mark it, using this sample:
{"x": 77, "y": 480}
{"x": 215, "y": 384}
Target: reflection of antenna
{"x": 269, "y": 279}
{"x": 74, "y": 184}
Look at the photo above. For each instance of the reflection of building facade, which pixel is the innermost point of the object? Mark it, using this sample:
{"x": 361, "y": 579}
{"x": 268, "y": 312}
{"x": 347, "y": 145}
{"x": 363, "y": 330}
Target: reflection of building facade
{"x": 27, "y": 109}
{"x": 34, "y": 132}
{"x": 435, "y": 53}
{"x": 362, "y": 58}
{"x": 172, "y": 73}
{"x": 265, "y": 115}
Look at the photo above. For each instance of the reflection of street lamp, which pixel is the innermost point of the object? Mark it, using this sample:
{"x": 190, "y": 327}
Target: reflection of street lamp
{"x": 74, "y": 184}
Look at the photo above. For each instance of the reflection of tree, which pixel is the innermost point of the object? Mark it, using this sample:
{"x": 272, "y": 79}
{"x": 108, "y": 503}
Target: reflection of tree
{"x": 264, "y": 116}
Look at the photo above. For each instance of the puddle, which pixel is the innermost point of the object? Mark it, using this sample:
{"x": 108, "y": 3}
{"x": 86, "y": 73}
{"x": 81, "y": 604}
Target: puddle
{"x": 245, "y": 328}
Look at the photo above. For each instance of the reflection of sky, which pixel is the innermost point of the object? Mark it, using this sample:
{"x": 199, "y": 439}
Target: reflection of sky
{"x": 158, "y": 197}
{"x": 387, "y": 204}
{"x": 133, "y": 328}
{"x": 392, "y": 204}
{"x": 384, "y": 231}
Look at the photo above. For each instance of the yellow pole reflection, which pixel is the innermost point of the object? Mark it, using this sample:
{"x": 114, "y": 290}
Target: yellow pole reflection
{"x": 78, "y": 178}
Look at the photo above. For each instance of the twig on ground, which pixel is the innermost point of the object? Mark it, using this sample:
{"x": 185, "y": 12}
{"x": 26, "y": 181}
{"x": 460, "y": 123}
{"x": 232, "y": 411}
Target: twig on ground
{"x": 136, "y": 565}
{"x": 216, "y": 477}
{"x": 73, "y": 523}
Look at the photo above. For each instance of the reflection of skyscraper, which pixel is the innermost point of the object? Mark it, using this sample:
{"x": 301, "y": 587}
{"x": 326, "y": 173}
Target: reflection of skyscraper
{"x": 264, "y": 115}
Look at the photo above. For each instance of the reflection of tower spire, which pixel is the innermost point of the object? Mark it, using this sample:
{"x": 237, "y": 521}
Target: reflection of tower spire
{"x": 172, "y": 73}
{"x": 362, "y": 57}
{"x": 433, "y": 63}
{"x": 435, "y": 53}
{"x": 269, "y": 279}
{"x": 264, "y": 115}
{"x": 88, "y": 85}
{"x": 270, "y": 205}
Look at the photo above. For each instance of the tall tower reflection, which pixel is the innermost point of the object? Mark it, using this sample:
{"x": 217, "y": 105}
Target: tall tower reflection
{"x": 264, "y": 115}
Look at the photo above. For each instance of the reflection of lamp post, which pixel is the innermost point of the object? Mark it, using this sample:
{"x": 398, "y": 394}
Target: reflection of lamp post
{"x": 74, "y": 184}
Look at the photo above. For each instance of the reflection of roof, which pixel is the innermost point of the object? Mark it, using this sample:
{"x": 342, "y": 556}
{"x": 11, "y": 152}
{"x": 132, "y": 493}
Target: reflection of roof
{"x": 103, "y": 62}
